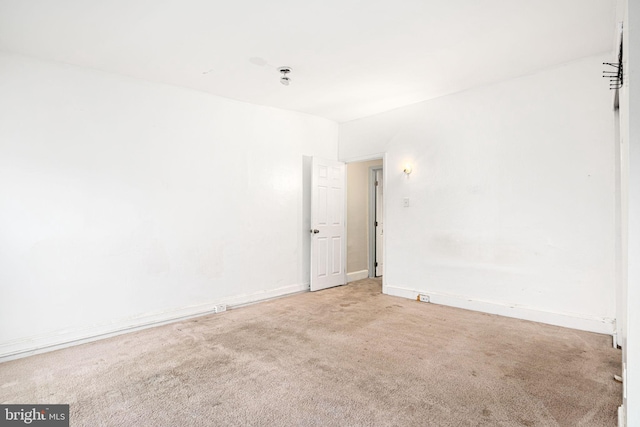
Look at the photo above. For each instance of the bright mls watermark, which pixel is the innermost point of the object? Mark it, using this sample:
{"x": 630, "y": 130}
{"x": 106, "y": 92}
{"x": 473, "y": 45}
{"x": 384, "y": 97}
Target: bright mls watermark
{"x": 34, "y": 415}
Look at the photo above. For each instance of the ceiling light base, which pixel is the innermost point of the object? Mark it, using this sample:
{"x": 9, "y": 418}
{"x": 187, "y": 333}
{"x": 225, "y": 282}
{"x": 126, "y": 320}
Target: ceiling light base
{"x": 285, "y": 80}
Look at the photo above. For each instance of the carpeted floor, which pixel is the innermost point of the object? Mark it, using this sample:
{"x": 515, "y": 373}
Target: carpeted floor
{"x": 346, "y": 356}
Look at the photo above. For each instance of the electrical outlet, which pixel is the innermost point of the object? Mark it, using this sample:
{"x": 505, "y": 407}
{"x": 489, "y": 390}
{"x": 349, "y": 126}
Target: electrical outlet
{"x": 405, "y": 202}
{"x": 423, "y": 298}
{"x": 218, "y": 308}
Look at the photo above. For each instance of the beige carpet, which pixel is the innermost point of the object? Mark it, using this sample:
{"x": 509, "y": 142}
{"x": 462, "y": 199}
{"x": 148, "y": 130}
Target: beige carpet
{"x": 346, "y": 356}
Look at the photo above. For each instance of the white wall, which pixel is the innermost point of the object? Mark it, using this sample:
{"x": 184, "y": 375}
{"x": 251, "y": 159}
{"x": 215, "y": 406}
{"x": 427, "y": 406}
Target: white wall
{"x": 511, "y": 196}
{"x": 124, "y": 202}
{"x": 630, "y": 129}
{"x": 358, "y": 218}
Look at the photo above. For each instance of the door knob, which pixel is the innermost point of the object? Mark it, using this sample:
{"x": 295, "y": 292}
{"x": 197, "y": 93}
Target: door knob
{"x": 314, "y": 231}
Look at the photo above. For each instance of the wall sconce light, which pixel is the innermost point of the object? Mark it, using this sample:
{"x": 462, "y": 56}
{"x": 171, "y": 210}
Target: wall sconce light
{"x": 407, "y": 169}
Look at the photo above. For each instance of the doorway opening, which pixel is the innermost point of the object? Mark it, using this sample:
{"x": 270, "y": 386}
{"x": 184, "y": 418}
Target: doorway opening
{"x": 365, "y": 219}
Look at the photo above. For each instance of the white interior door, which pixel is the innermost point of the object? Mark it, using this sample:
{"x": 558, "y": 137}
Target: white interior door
{"x": 327, "y": 224}
{"x": 379, "y": 223}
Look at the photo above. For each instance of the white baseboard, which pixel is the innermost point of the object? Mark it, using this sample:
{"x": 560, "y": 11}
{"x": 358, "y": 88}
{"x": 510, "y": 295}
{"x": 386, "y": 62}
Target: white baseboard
{"x": 357, "y": 275}
{"x": 65, "y": 338}
{"x": 582, "y": 322}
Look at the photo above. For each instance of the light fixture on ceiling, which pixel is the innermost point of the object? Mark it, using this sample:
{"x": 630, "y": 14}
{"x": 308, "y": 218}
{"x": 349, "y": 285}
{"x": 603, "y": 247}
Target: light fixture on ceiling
{"x": 285, "y": 80}
{"x": 407, "y": 169}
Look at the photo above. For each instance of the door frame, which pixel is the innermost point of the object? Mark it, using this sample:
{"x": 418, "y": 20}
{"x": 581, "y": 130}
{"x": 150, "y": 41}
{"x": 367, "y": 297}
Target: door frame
{"x": 372, "y": 217}
{"x": 385, "y": 202}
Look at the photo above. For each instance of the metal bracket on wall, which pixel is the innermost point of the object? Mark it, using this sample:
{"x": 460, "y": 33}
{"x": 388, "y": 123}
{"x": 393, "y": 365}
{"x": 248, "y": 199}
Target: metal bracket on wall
{"x": 616, "y": 76}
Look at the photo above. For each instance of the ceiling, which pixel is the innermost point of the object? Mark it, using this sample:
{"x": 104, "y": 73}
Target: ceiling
{"x": 350, "y": 58}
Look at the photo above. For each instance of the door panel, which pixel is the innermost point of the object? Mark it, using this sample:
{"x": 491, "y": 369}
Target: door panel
{"x": 327, "y": 224}
{"x": 337, "y": 255}
{"x": 322, "y": 206}
{"x": 322, "y": 261}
